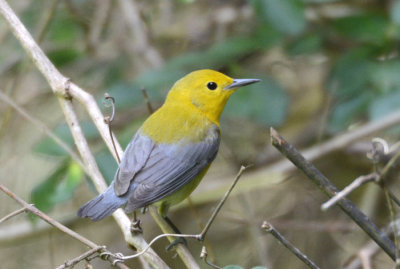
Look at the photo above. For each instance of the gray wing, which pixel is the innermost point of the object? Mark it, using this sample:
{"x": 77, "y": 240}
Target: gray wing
{"x": 135, "y": 157}
{"x": 170, "y": 167}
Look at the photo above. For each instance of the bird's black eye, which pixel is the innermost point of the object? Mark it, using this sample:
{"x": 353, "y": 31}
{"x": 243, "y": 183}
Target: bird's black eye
{"x": 211, "y": 85}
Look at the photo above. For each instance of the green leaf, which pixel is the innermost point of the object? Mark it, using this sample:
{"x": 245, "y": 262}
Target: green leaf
{"x": 345, "y": 112}
{"x": 107, "y": 165}
{"x": 58, "y": 187}
{"x": 287, "y": 16}
{"x": 265, "y": 102}
{"x": 384, "y": 105}
{"x": 64, "y": 29}
{"x": 259, "y": 267}
{"x": 63, "y": 56}
{"x": 305, "y": 44}
{"x": 49, "y": 147}
{"x": 350, "y": 73}
{"x": 369, "y": 28}
{"x": 385, "y": 76}
{"x": 220, "y": 54}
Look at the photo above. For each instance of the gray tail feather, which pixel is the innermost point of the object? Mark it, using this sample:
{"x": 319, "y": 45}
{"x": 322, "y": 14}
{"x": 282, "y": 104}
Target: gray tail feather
{"x": 102, "y": 206}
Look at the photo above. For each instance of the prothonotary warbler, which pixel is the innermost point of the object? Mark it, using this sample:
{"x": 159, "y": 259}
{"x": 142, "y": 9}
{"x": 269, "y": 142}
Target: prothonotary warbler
{"x": 172, "y": 150}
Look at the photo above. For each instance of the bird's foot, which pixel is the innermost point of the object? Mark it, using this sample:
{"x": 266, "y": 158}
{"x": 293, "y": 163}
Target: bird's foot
{"x": 136, "y": 227}
{"x": 178, "y": 240}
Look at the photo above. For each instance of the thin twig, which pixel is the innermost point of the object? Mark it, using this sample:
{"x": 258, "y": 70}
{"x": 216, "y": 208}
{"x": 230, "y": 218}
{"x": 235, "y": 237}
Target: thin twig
{"x": 329, "y": 189}
{"x": 108, "y": 121}
{"x": 166, "y": 228}
{"x": 394, "y": 227}
{"x": 270, "y": 229}
{"x": 221, "y": 203}
{"x": 361, "y": 180}
{"x": 183, "y": 252}
{"x": 81, "y": 257}
{"x": 369, "y": 250}
{"x": 120, "y": 257}
{"x": 204, "y": 255}
{"x": 45, "y": 129}
{"x": 66, "y": 90}
{"x": 147, "y": 100}
{"x": 13, "y": 214}
{"x": 48, "y": 219}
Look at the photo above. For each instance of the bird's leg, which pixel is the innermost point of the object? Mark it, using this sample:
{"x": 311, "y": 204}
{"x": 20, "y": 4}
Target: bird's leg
{"x": 135, "y": 224}
{"x": 178, "y": 240}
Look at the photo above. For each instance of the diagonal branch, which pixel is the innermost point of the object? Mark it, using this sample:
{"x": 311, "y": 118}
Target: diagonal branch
{"x": 52, "y": 222}
{"x": 66, "y": 90}
{"x": 329, "y": 189}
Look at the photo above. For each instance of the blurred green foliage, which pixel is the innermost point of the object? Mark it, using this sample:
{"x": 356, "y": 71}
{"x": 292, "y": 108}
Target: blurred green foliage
{"x": 362, "y": 81}
{"x": 58, "y": 187}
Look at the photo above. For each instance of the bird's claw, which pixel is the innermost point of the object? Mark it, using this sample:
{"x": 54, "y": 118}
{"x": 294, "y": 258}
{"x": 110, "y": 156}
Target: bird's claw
{"x": 178, "y": 240}
{"x": 136, "y": 227}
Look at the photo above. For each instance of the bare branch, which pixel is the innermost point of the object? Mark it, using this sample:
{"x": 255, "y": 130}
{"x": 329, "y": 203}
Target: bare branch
{"x": 204, "y": 255}
{"x": 65, "y": 89}
{"x": 221, "y": 203}
{"x": 329, "y": 189}
{"x": 51, "y": 221}
{"x": 270, "y": 229}
{"x": 13, "y": 214}
{"x": 147, "y": 100}
{"x": 361, "y": 180}
{"x": 84, "y": 256}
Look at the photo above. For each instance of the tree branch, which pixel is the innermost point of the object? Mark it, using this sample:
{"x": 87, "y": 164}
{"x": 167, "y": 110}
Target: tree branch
{"x": 65, "y": 89}
{"x": 329, "y": 189}
{"x": 51, "y": 221}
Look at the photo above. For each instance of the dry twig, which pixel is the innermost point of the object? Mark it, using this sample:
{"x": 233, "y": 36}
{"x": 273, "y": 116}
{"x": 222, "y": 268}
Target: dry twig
{"x": 49, "y": 220}
{"x": 66, "y": 90}
{"x": 270, "y": 229}
{"x": 329, "y": 189}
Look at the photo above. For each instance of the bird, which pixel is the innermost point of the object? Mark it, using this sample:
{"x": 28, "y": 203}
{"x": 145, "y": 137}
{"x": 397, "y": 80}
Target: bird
{"x": 172, "y": 150}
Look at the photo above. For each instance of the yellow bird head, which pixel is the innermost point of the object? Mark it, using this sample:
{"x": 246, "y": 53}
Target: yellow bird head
{"x": 207, "y": 90}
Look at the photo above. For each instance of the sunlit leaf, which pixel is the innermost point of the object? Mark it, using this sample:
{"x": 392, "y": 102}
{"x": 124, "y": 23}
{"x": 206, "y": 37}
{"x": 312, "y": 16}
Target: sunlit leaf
{"x": 58, "y": 187}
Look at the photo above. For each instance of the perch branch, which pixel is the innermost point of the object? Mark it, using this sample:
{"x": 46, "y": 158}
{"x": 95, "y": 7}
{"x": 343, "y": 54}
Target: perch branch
{"x": 329, "y": 189}
{"x": 51, "y": 221}
{"x": 66, "y": 90}
{"x": 271, "y": 229}
{"x": 167, "y": 232}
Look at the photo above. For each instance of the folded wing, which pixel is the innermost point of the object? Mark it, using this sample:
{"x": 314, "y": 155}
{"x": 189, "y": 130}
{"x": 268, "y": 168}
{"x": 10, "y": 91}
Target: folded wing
{"x": 156, "y": 171}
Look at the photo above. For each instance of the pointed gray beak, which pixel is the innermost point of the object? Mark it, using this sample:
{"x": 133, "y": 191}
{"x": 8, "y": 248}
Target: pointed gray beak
{"x": 241, "y": 82}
